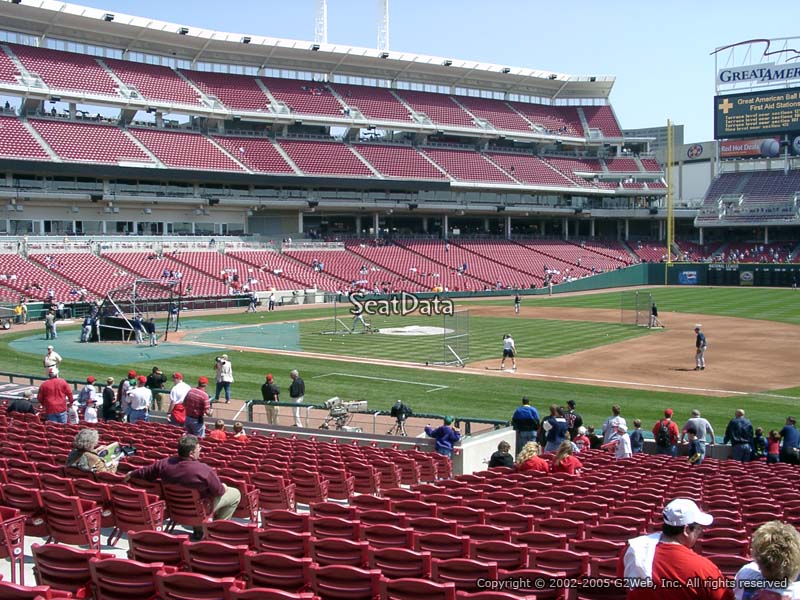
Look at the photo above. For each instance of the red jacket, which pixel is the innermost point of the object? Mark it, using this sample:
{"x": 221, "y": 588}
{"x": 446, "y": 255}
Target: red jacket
{"x": 53, "y": 395}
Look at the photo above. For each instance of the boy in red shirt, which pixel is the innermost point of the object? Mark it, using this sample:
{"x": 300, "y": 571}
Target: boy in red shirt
{"x": 219, "y": 431}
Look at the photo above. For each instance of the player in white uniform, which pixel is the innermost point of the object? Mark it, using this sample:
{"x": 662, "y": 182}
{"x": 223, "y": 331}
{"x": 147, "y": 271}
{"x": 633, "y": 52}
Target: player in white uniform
{"x": 509, "y": 350}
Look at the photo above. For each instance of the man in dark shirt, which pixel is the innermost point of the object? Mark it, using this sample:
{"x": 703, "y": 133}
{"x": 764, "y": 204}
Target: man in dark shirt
{"x": 525, "y": 422}
{"x": 791, "y": 442}
{"x": 53, "y": 395}
{"x": 156, "y": 381}
{"x": 186, "y": 470}
{"x": 110, "y": 404}
{"x": 739, "y": 434}
{"x": 271, "y": 394}
{"x": 296, "y": 392}
{"x": 502, "y": 458}
{"x": 574, "y": 419}
{"x": 22, "y": 405}
{"x": 198, "y": 407}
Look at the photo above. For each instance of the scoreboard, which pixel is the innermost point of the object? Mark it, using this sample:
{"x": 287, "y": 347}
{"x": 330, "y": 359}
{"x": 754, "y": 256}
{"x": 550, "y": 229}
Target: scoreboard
{"x": 758, "y": 113}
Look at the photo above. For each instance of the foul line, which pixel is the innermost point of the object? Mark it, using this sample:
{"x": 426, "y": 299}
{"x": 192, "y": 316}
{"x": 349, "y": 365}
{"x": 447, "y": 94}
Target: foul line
{"x": 436, "y": 387}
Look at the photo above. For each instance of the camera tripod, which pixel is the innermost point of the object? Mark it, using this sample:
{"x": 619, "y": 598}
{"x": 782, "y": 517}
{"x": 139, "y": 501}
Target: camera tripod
{"x": 398, "y": 429}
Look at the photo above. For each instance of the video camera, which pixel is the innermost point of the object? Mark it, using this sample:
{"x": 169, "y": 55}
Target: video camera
{"x": 339, "y": 413}
{"x": 401, "y": 411}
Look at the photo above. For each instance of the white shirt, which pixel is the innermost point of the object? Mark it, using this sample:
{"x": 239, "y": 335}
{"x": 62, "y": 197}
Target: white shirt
{"x": 624, "y": 447}
{"x": 72, "y": 414}
{"x": 51, "y": 359}
{"x": 508, "y": 344}
{"x": 751, "y": 572}
{"x": 90, "y": 414}
{"x": 178, "y": 392}
{"x": 139, "y": 398}
{"x": 224, "y": 372}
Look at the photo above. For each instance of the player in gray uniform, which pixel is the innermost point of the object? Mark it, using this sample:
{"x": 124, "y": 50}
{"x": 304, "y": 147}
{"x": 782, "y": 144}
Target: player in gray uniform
{"x": 509, "y": 350}
{"x": 700, "y": 349}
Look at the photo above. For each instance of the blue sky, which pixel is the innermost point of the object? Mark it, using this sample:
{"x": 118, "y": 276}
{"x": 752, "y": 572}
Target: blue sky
{"x": 659, "y": 52}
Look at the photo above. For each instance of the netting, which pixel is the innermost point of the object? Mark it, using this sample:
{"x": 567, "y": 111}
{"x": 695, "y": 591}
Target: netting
{"x": 455, "y": 340}
{"x": 635, "y": 308}
{"x": 140, "y": 300}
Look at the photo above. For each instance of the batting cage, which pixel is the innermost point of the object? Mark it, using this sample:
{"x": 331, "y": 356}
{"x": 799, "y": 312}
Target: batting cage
{"x": 142, "y": 298}
{"x": 636, "y": 308}
{"x": 455, "y": 340}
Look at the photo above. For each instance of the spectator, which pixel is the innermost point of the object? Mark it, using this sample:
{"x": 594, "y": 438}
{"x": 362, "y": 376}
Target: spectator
{"x": 529, "y": 459}
{"x": 85, "y": 453}
{"x": 775, "y": 549}
{"x": 155, "y": 381}
{"x": 502, "y": 458}
{"x": 791, "y": 442}
{"x": 702, "y": 427}
{"x": 759, "y": 444}
{"x": 198, "y": 407}
{"x": 565, "y": 461}
{"x": 637, "y": 437}
{"x": 739, "y": 434}
{"x": 122, "y": 391}
{"x": 610, "y": 432}
{"x": 554, "y": 428}
{"x": 238, "y": 433}
{"x": 176, "y": 413}
{"x": 297, "y": 391}
{"x": 50, "y": 325}
{"x": 525, "y": 422}
{"x": 595, "y": 441}
{"x": 224, "y": 377}
{"x": 446, "y": 436}
{"x": 218, "y": 432}
{"x": 665, "y": 432}
{"x": 270, "y": 393}
{"x": 581, "y": 440}
{"x": 574, "y": 419}
{"x": 88, "y": 391}
{"x": 22, "y": 405}
{"x": 150, "y": 328}
{"x": 695, "y": 452}
{"x": 621, "y": 444}
{"x": 773, "y": 447}
{"x": 110, "y": 405}
{"x": 51, "y": 360}
{"x": 72, "y": 413}
{"x": 90, "y": 412}
{"x": 53, "y": 396}
{"x": 138, "y": 401}
{"x": 186, "y": 470}
{"x": 665, "y": 564}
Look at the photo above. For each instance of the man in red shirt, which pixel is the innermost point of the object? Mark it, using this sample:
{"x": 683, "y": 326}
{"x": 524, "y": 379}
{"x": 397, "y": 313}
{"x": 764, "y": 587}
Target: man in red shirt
{"x": 198, "y": 407}
{"x": 53, "y": 395}
{"x": 665, "y": 433}
{"x": 186, "y": 470}
{"x": 663, "y": 566}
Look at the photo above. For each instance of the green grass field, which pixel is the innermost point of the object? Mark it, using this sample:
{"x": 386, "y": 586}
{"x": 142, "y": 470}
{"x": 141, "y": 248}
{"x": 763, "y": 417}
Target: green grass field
{"x": 457, "y": 392}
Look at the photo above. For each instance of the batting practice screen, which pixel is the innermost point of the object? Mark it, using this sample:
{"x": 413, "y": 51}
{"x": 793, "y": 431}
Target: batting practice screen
{"x": 757, "y": 113}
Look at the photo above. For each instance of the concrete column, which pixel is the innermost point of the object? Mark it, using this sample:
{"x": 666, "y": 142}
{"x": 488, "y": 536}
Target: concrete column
{"x": 660, "y": 230}
{"x": 508, "y": 227}
{"x": 446, "y": 226}
{"x": 591, "y": 228}
{"x": 700, "y": 230}
{"x": 73, "y": 110}
{"x": 299, "y": 221}
{"x": 358, "y": 225}
{"x": 376, "y": 223}
{"x": 619, "y": 231}
{"x": 159, "y": 119}
{"x": 486, "y": 224}
{"x": 766, "y": 235}
{"x": 542, "y": 227}
{"x": 425, "y": 224}
{"x": 627, "y": 229}
{"x": 566, "y": 229}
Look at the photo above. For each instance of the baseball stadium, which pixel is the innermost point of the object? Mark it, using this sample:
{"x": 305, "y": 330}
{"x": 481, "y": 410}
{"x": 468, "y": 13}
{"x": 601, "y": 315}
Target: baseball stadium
{"x": 380, "y": 224}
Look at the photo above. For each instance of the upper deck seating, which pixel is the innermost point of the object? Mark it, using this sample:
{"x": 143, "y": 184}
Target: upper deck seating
{"x": 373, "y": 102}
{"x": 8, "y": 70}
{"x": 439, "y": 108}
{"x": 154, "y": 82}
{"x": 325, "y": 158}
{"x": 530, "y": 169}
{"x": 237, "y": 92}
{"x": 622, "y": 165}
{"x": 602, "y": 118}
{"x": 66, "y": 70}
{"x": 185, "y": 150}
{"x": 399, "y": 161}
{"x": 466, "y": 165}
{"x": 17, "y": 142}
{"x": 89, "y": 142}
{"x": 258, "y": 154}
{"x": 304, "y": 97}
{"x": 496, "y": 112}
{"x": 562, "y": 120}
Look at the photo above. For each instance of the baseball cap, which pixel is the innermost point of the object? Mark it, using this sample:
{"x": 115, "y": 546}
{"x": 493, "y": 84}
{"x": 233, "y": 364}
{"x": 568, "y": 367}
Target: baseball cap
{"x": 49, "y": 347}
{"x": 131, "y": 373}
{"x": 571, "y": 403}
{"x": 683, "y": 511}
{"x": 177, "y": 375}
{"x": 621, "y": 426}
{"x": 448, "y": 420}
{"x": 698, "y": 326}
{"x": 90, "y": 379}
{"x": 141, "y": 379}
{"x": 668, "y": 412}
{"x": 52, "y": 371}
{"x": 203, "y": 380}
{"x": 225, "y": 356}
{"x": 269, "y": 376}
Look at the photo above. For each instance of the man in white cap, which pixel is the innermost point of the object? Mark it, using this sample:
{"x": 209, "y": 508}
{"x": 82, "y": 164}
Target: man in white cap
{"x": 663, "y": 566}
{"x": 224, "y": 377}
{"x": 51, "y": 360}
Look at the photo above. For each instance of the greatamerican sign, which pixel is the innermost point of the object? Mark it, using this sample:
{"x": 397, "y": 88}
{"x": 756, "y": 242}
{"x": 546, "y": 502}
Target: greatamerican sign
{"x": 755, "y": 74}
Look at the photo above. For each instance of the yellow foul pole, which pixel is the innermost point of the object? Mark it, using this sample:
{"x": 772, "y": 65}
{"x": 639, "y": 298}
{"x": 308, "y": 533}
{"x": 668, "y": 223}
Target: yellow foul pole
{"x": 670, "y": 196}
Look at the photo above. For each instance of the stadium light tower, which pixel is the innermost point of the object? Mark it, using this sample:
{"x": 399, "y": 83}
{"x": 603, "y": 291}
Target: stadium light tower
{"x": 321, "y": 22}
{"x": 383, "y": 25}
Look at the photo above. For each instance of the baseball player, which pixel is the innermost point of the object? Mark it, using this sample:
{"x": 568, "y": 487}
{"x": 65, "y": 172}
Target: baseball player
{"x": 509, "y": 350}
{"x": 358, "y": 317}
{"x": 700, "y": 348}
{"x": 517, "y": 302}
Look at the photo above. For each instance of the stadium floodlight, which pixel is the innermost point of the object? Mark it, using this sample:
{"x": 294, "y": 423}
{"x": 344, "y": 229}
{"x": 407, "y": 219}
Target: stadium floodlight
{"x": 245, "y": 40}
{"x": 553, "y": 76}
{"x": 384, "y": 55}
{"x": 448, "y": 63}
{"x": 315, "y": 47}
{"x": 592, "y": 78}
{"x": 506, "y": 70}
{"x": 183, "y": 30}
{"x": 108, "y": 17}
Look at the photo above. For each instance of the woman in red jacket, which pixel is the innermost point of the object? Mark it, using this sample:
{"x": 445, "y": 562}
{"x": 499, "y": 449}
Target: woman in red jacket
{"x": 565, "y": 461}
{"x": 529, "y": 459}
